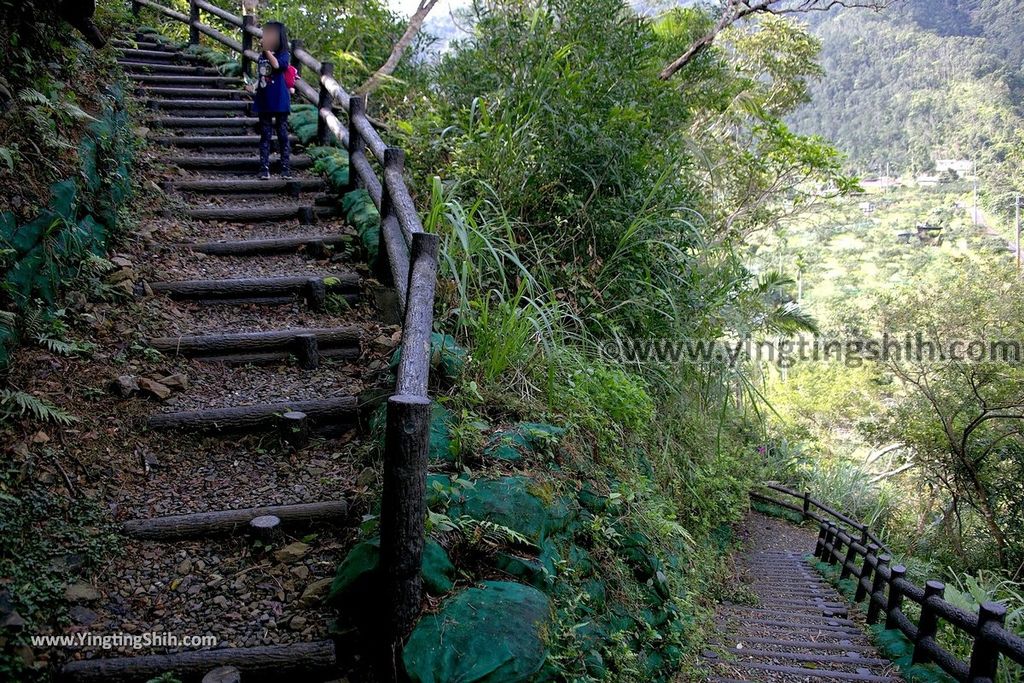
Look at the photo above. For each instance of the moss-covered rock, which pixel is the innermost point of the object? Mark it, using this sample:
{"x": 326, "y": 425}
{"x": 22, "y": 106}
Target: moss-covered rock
{"x": 526, "y": 438}
{"x": 518, "y": 503}
{"x": 491, "y": 634}
{"x": 357, "y": 578}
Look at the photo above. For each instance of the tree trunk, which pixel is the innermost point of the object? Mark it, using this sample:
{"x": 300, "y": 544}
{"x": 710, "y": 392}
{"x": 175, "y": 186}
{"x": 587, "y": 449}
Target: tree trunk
{"x": 415, "y": 24}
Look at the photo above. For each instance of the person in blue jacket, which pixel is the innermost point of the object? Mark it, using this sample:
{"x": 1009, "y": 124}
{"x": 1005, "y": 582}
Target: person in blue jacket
{"x": 270, "y": 98}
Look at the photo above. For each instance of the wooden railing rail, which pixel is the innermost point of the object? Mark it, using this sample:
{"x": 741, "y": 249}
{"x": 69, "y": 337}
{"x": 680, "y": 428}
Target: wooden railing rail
{"x": 861, "y": 556}
{"x": 408, "y": 259}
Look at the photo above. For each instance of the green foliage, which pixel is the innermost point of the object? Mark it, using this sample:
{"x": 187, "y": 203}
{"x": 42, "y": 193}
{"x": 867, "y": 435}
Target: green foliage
{"x": 18, "y": 404}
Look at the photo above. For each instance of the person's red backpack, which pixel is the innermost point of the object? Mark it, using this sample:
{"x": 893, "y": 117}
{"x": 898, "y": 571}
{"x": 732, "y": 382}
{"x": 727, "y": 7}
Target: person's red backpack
{"x": 291, "y": 74}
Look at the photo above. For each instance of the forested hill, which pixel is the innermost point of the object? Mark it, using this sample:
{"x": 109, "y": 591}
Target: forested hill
{"x": 924, "y": 79}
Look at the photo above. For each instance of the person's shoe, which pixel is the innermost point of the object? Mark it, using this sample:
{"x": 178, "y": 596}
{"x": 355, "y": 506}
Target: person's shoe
{"x": 286, "y": 173}
{"x": 264, "y": 174}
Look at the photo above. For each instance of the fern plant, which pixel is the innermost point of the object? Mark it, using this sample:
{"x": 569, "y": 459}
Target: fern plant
{"x": 17, "y": 404}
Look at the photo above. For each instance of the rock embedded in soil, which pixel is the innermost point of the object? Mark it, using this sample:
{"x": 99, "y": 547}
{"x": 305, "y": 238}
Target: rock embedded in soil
{"x": 151, "y": 386}
{"x": 81, "y": 592}
{"x": 292, "y": 552}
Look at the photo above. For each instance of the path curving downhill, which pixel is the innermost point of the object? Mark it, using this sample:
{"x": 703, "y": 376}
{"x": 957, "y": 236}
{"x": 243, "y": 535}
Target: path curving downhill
{"x": 797, "y": 627}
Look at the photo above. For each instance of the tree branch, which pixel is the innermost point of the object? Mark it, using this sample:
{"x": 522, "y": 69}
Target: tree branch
{"x": 398, "y": 51}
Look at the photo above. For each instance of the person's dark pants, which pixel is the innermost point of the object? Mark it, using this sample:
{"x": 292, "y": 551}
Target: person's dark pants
{"x": 270, "y": 122}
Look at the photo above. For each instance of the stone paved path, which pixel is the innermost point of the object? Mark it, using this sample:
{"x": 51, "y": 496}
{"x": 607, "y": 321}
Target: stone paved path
{"x": 797, "y": 627}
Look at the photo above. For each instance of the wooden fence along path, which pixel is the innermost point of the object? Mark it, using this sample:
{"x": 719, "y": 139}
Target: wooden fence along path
{"x": 195, "y": 109}
{"x": 860, "y": 555}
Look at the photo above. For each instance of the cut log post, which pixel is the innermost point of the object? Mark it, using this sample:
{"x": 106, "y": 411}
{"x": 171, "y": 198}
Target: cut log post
{"x": 928, "y": 624}
{"x": 895, "y": 602}
{"x": 306, "y": 215}
{"x": 248, "y": 22}
{"x": 266, "y": 528}
{"x": 876, "y": 599}
{"x": 307, "y": 349}
{"x": 242, "y": 418}
{"x": 864, "y": 582}
{"x": 200, "y": 524}
{"x": 316, "y": 294}
{"x": 356, "y": 144}
{"x": 985, "y": 653}
{"x": 403, "y": 512}
{"x": 297, "y": 662}
{"x": 294, "y": 430}
{"x": 193, "y": 21}
{"x": 414, "y": 367}
{"x": 324, "y": 101}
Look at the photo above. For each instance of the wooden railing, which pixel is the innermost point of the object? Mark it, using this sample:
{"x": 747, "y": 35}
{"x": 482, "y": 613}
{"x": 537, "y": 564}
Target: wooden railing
{"x": 862, "y": 556}
{"x": 408, "y": 259}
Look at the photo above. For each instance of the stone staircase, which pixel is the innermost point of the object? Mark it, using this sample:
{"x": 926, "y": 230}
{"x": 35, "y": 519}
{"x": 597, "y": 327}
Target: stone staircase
{"x": 798, "y": 628}
{"x": 264, "y": 312}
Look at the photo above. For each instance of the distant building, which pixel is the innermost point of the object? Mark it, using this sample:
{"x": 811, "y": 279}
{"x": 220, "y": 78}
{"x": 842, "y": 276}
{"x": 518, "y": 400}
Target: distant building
{"x": 962, "y": 167}
{"x": 928, "y": 180}
{"x": 880, "y": 183}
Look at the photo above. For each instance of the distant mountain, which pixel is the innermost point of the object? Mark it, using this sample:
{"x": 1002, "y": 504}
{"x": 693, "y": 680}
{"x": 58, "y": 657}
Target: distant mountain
{"x": 924, "y": 79}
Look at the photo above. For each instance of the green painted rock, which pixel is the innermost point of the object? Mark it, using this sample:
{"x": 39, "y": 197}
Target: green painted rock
{"x": 522, "y": 440}
{"x": 517, "y": 503}
{"x": 491, "y": 634}
{"x": 357, "y": 579}
{"x": 446, "y": 356}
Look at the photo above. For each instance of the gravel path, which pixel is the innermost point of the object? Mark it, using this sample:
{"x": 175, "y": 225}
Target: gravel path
{"x": 793, "y": 626}
{"x": 241, "y": 590}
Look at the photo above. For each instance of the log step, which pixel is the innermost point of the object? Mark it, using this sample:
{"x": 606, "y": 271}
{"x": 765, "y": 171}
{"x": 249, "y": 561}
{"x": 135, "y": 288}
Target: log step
{"x": 202, "y": 122}
{"x": 228, "y": 163}
{"x": 142, "y": 44}
{"x": 811, "y": 658}
{"x": 272, "y": 289}
{"x": 194, "y": 106}
{"x": 178, "y": 94}
{"x": 315, "y": 245}
{"x": 262, "y": 214}
{"x": 212, "y": 141}
{"x": 157, "y": 55}
{"x": 340, "y": 411}
{"x": 816, "y": 674}
{"x": 294, "y": 186}
{"x": 184, "y": 80}
{"x": 306, "y": 344}
{"x": 149, "y": 67}
{"x": 314, "y": 661}
{"x": 203, "y": 524}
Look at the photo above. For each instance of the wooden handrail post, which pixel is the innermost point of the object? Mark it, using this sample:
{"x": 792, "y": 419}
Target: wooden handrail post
{"x": 984, "y": 654}
{"x": 807, "y": 505}
{"x": 403, "y": 513}
{"x": 837, "y": 544}
{"x": 865, "y": 572}
{"x": 864, "y": 535}
{"x": 193, "y": 19}
{"x": 325, "y": 101}
{"x": 295, "y": 46}
{"x": 895, "y": 596}
{"x": 819, "y": 547}
{"x": 877, "y": 584}
{"x": 248, "y": 21}
{"x": 851, "y": 555}
{"x": 928, "y": 625}
{"x": 394, "y": 159}
{"x": 356, "y": 144}
{"x": 414, "y": 366}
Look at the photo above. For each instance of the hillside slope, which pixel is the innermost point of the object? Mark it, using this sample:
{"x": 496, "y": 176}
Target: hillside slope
{"x": 925, "y": 79}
